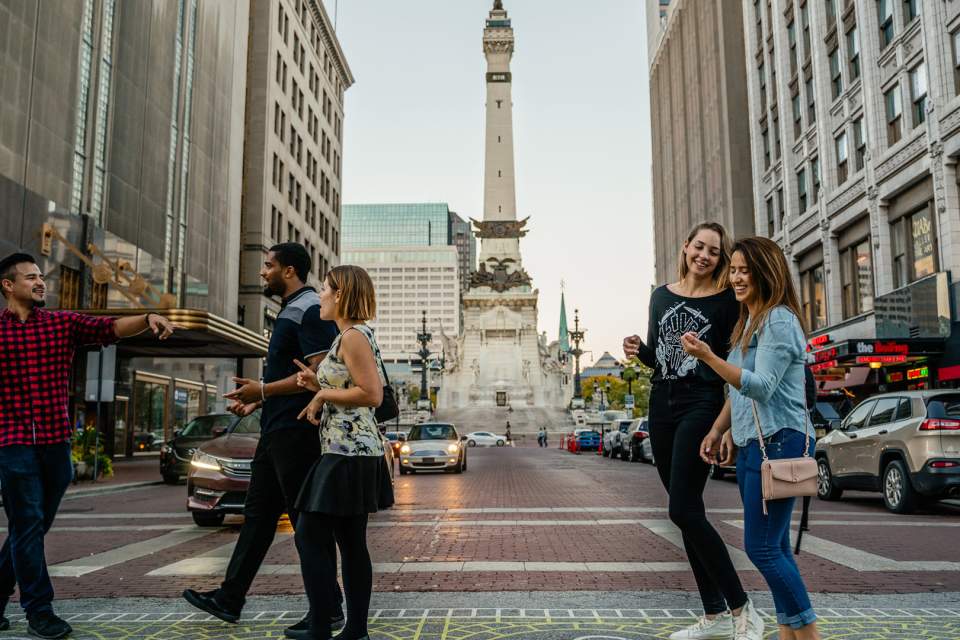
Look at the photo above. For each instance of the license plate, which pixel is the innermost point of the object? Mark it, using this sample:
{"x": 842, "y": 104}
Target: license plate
{"x": 428, "y": 461}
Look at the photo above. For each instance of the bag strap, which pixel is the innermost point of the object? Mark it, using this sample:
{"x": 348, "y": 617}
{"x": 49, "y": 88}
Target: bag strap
{"x": 376, "y": 357}
{"x": 763, "y": 448}
{"x": 804, "y": 523}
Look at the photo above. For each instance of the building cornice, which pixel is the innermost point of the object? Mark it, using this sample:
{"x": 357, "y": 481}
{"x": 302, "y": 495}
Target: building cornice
{"x": 329, "y": 37}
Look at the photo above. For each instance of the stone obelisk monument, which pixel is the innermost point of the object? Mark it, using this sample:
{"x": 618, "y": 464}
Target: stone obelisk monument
{"x": 499, "y": 359}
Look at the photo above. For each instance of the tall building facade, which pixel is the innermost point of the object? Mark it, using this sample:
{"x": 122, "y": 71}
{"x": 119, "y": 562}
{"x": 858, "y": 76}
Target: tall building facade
{"x": 121, "y": 138}
{"x": 461, "y": 236}
{"x": 855, "y": 123}
{"x": 701, "y": 141}
{"x": 296, "y": 78}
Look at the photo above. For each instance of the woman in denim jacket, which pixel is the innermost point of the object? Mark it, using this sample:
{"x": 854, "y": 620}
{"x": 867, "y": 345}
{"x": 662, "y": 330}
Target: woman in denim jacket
{"x": 766, "y": 366}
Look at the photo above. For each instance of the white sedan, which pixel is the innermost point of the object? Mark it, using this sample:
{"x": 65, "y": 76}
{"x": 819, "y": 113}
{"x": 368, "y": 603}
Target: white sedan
{"x": 485, "y": 439}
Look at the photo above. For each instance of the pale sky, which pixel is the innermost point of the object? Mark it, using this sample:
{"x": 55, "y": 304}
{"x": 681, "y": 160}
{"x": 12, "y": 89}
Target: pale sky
{"x": 414, "y": 131}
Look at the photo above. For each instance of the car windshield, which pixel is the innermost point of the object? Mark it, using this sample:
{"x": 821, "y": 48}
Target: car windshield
{"x": 828, "y": 411}
{"x": 248, "y": 424}
{"x": 945, "y": 405}
{"x": 432, "y": 432}
{"x": 394, "y": 436}
{"x": 204, "y": 425}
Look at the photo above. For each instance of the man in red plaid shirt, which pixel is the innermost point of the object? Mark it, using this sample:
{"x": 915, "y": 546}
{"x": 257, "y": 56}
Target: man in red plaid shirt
{"x": 36, "y": 357}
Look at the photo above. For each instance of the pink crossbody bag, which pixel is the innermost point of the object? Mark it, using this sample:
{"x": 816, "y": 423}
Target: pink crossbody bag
{"x": 787, "y": 477}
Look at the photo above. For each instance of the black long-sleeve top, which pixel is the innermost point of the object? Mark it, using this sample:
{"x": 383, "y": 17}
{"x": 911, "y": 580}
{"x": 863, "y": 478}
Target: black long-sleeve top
{"x": 712, "y": 318}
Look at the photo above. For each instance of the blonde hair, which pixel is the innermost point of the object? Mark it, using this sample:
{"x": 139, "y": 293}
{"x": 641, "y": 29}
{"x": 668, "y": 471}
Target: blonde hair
{"x": 358, "y": 300}
{"x": 720, "y": 274}
{"x": 770, "y": 278}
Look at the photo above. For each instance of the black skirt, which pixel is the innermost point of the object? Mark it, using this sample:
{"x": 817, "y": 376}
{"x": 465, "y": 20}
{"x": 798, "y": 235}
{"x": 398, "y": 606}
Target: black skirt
{"x": 342, "y": 485}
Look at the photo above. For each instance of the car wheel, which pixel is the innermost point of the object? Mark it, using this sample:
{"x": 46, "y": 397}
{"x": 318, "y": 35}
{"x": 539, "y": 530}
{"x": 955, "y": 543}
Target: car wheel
{"x": 500, "y": 443}
{"x": 403, "y": 471}
{"x": 203, "y": 519}
{"x": 635, "y": 454}
{"x": 604, "y": 451}
{"x": 898, "y": 494}
{"x": 826, "y": 488}
{"x": 171, "y": 478}
{"x": 716, "y": 472}
{"x": 625, "y": 454}
{"x": 471, "y": 443}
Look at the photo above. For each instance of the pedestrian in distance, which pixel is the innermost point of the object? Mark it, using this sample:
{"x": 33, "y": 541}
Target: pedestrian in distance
{"x": 351, "y": 479}
{"x": 685, "y": 399}
{"x": 765, "y": 372}
{"x": 37, "y": 348}
{"x": 507, "y": 434}
{"x": 287, "y": 447}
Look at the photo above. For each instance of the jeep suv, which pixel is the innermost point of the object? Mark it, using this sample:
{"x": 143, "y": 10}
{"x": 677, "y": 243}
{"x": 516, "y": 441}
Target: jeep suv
{"x": 906, "y": 445}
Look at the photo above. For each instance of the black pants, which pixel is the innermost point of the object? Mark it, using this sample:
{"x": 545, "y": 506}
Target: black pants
{"x": 315, "y": 536}
{"x": 681, "y": 414}
{"x": 278, "y": 470}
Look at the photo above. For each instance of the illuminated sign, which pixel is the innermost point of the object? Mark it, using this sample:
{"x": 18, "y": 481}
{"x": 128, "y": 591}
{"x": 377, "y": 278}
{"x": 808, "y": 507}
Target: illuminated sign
{"x": 825, "y": 354}
{"x": 823, "y": 366}
{"x": 881, "y": 347}
{"x": 896, "y": 376}
{"x": 818, "y": 341}
{"x": 918, "y": 373}
{"x": 881, "y": 359}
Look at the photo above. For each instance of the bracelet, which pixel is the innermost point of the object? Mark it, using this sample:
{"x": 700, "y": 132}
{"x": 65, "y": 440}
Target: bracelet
{"x": 263, "y": 394}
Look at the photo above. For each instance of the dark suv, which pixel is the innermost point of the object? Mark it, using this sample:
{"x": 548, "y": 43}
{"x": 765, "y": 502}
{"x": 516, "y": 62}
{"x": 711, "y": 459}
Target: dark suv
{"x": 175, "y": 455}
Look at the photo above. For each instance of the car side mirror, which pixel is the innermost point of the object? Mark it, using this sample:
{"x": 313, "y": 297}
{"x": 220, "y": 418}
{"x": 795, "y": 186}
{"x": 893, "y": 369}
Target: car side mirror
{"x": 218, "y": 431}
{"x": 177, "y": 432}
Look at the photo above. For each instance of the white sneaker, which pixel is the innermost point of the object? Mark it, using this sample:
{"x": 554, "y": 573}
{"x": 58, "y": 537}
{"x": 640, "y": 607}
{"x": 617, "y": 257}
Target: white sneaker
{"x": 719, "y": 627}
{"x": 748, "y": 625}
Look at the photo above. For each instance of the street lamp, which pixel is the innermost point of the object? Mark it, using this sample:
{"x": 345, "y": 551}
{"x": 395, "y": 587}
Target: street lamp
{"x": 424, "y": 339}
{"x": 577, "y": 337}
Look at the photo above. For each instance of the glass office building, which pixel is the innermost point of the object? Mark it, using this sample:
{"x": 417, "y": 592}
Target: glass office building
{"x": 388, "y": 225}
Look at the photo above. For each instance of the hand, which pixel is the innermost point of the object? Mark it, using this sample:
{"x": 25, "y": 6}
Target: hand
{"x": 161, "y": 327}
{"x": 710, "y": 446}
{"x": 311, "y": 411}
{"x": 696, "y": 347}
{"x": 307, "y": 378}
{"x": 249, "y": 391}
{"x": 631, "y": 346}
{"x": 243, "y": 410}
{"x": 728, "y": 450}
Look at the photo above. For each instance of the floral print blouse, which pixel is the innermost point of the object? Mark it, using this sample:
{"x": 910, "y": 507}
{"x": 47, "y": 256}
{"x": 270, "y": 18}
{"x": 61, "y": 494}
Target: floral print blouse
{"x": 348, "y": 431}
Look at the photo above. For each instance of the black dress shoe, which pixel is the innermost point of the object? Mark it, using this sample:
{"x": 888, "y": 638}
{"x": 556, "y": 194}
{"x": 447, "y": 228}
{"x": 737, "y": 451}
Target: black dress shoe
{"x": 4, "y": 624}
{"x": 48, "y": 626}
{"x": 301, "y": 630}
{"x": 207, "y": 601}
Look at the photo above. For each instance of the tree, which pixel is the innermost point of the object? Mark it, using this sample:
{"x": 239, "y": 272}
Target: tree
{"x": 619, "y": 388}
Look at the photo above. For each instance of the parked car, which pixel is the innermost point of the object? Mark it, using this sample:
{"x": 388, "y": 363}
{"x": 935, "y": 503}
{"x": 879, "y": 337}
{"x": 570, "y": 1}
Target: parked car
{"x": 485, "y": 439}
{"x": 904, "y": 444}
{"x": 433, "y": 446}
{"x": 396, "y": 440}
{"x": 637, "y": 441}
{"x": 614, "y": 438}
{"x": 220, "y": 471}
{"x": 147, "y": 440}
{"x": 175, "y": 455}
{"x": 587, "y": 439}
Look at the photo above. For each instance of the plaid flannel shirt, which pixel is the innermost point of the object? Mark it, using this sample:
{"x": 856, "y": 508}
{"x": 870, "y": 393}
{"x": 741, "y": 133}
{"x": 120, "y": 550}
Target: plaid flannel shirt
{"x": 36, "y": 358}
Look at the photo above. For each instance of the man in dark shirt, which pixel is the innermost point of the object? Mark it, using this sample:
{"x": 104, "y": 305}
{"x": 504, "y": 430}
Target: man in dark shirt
{"x": 288, "y": 447}
{"x": 36, "y": 357}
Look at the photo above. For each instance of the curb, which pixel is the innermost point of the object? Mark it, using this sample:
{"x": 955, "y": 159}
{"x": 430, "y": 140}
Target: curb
{"x": 108, "y": 489}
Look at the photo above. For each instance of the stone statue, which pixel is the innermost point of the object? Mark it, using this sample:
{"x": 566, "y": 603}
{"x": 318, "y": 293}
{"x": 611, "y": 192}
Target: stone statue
{"x": 475, "y": 366}
{"x": 498, "y": 5}
{"x": 526, "y": 370}
{"x": 451, "y": 351}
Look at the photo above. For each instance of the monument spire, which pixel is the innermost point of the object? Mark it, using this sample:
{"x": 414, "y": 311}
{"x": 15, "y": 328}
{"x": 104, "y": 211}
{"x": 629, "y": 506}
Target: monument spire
{"x": 564, "y": 332}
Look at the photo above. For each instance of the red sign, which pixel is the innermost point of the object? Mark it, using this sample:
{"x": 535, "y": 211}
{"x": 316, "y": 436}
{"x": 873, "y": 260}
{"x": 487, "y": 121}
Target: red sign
{"x": 949, "y": 373}
{"x": 823, "y": 366}
{"x": 825, "y": 354}
{"x": 917, "y": 374}
{"x": 881, "y": 359}
{"x": 818, "y": 341}
{"x": 895, "y": 377}
{"x": 881, "y": 347}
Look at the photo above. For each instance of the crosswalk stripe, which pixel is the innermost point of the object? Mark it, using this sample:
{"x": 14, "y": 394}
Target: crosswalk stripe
{"x": 125, "y": 553}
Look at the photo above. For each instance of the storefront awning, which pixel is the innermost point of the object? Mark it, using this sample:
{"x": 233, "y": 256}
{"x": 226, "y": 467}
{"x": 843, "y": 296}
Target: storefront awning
{"x": 199, "y": 334}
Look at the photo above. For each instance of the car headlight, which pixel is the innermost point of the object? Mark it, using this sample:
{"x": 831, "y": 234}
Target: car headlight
{"x": 405, "y": 449}
{"x": 453, "y": 448}
{"x": 205, "y": 461}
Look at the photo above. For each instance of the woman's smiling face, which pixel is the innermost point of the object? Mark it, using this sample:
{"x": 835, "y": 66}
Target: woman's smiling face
{"x": 740, "y": 278}
{"x": 702, "y": 253}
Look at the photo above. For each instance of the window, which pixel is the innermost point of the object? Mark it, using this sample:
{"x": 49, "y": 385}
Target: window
{"x": 831, "y": 13}
{"x": 858, "y": 417}
{"x": 914, "y": 242}
{"x": 853, "y": 54}
{"x": 836, "y": 78}
{"x": 841, "y": 146}
{"x": 815, "y": 179}
{"x": 802, "y": 189}
{"x": 884, "y": 411}
{"x": 811, "y": 101}
{"x": 911, "y": 10}
{"x": 805, "y": 25}
{"x": 771, "y": 223}
{"x": 763, "y": 86}
{"x": 894, "y": 120}
{"x": 856, "y": 278}
{"x": 859, "y": 144}
{"x": 904, "y": 410}
{"x": 955, "y": 46}
{"x": 780, "y": 207}
{"x": 918, "y": 93}
{"x": 797, "y": 115}
{"x": 813, "y": 297}
{"x": 765, "y": 136}
{"x": 885, "y": 17}
{"x": 776, "y": 135}
{"x": 792, "y": 40}
{"x": 69, "y": 288}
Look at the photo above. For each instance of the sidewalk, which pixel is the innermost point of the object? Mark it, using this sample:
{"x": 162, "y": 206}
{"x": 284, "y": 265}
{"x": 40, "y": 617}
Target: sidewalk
{"x": 136, "y": 471}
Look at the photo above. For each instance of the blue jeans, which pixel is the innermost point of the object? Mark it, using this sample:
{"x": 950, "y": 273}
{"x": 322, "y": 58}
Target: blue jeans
{"x": 34, "y": 479}
{"x": 767, "y": 537}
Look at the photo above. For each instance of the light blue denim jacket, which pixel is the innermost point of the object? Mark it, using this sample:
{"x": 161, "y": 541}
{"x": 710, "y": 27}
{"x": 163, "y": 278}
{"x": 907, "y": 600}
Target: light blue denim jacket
{"x": 772, "y": 374}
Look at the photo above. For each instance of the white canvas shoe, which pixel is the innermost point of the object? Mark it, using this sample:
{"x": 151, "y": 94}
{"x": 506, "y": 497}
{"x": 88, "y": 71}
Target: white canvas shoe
{"x": 748, "y": 625}
{"x": 719, "y": 627}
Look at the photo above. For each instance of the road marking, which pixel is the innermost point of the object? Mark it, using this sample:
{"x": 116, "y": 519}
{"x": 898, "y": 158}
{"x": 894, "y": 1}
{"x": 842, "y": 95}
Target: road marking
{"x": 397, "y": 512}
{"x": 125, "y": 553}
{"x": 214, "y": 562}
{"x": 669, "y": 532}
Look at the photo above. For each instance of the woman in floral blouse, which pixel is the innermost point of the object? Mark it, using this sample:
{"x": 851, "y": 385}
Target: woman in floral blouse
{"x": 351, "y": 479}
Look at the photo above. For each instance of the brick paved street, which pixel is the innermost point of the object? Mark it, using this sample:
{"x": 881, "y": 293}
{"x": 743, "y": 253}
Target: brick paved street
{"x": 519, "y": 520}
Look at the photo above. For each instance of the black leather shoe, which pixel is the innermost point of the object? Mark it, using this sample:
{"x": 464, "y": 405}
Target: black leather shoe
{"x": 207, "y": 601}
{"x": 301, "y": 630}
{"x": 47, "y": 625}
{"x": 4, "y": 624}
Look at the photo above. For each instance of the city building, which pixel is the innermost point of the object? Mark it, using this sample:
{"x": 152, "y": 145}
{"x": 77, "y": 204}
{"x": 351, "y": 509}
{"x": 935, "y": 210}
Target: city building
{"x": 855, "y": 126}
{"x": 121, "y": 139}
{"x": 606, "y": 365}
{"x": 292, "y": 158}
{"x": 500, "y": 359}
{"x": 461, "y": 236}
{"x": 657, "y": 12}
{"x": 700, "y": 138}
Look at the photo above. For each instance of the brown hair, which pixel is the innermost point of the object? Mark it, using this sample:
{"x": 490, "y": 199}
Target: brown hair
{"x": 770, "y": 277}
{"x": 723, "y": 264}
{"x": 358, "y": 301}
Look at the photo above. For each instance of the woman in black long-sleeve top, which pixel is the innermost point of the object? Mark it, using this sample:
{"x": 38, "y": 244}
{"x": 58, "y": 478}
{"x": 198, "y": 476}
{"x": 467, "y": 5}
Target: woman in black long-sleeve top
{"x": 685, "y": 398}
